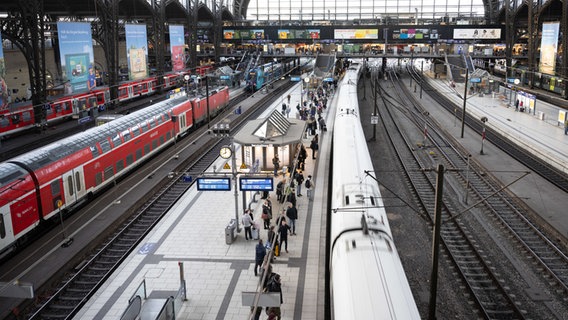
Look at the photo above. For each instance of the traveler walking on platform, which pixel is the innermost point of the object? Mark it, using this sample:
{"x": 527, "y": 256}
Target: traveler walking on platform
{"x": 260, "y": 253}
{"x": 247, "y": 223}
{"x": 292, "y": 214}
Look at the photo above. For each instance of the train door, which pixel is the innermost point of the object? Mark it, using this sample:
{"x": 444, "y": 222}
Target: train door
{"x": 73, "y": 185}
{"x": 6, "y": 234}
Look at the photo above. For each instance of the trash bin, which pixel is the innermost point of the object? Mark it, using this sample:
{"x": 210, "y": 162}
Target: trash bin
{"x": 230, "y": 231}
{"x": 541, "y": 115}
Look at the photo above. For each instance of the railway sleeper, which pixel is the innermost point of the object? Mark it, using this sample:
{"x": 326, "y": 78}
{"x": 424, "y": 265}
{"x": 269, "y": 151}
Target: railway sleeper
{"x": 86, "y": 282}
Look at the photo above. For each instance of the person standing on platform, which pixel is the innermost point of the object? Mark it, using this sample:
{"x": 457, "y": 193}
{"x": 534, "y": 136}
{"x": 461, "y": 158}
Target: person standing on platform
{"x": 566, "y": 124}
{"x": 266, "y": 215}
{"x": 299, "y": 180}
{"x": 517, "y": 105}
{"x": 260, "y": 253}
{"x": 276, "y": 164}
{"x": 280, "y": 191}
{"x": 247, "y": 223}
{"x": 302, "y": 157}
{"x": 292, "y": 197}
{"x": 314, "y": 146}
{"x": 309, "y": 185}
{"x": 292, "y": 214}
{"x": 283, "y": 231}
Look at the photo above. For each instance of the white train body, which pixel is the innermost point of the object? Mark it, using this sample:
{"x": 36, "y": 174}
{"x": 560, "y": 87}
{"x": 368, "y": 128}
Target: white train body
{"x": 367, "y": 277}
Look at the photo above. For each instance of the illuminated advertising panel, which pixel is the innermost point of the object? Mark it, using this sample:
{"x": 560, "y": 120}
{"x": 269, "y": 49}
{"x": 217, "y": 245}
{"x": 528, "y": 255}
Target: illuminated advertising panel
{"x": 77, "y": 58}
{"x": 213, "y": 184}
{"x": 356, "y": 34}
{"x": 489, "y": 33}
{"x": 549, "y": 47}
{"x": 177, "y": 47}
{"x": 136, "y": 51}
{"x": 414, "y": 34}
{"x": 3, "y": 85}
{"x": 296, "y": 34}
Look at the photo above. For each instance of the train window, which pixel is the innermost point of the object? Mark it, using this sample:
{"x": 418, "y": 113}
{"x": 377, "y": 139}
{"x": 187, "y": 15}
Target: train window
{"x": 67, "y": 106}
{"x": 109, "y": 172}
{"x": 159, "y": 118}
{"x": 161, "y": 140}
{"x": 100, "y": 98}
{"x": 116, "y": 141}
{"x": 98, "y": 178}
{"x": 2, "y": 227}
{"x": 144, "y": 86}
{"x": 48, "y": 112}
{"x": 154, "y": 84}
{"x": 136, "y": 89}
{"x": 135, "y": 131}
{"x": 92, "y": 102}
{"x": 78, "y": 181}
{"x": 4, "y": 122}
{"x": 70, "y": 185}
{"x": 144, "y": 127}
{"x": 126, "y": 136}
{"x": 82, "y": 104}
{"x": 168, "y": 135}
{"x": 129, "y": 159}
{"x": 166, "y": 117}
{"x": 123, "y": 92}
{"x": 138, "y": 154}
{"x": 105, "y": 145}
{"x": 152, "y": 123}
{"x": 119, "y": 165}
{"x": 27, "y": 116}
{"x": 55, "y": 188}
{"x": 94, "y": 151}
{"x": 154, "y": 144}
{"x": 146, "y": 149}
{"x": 15, "y": 118}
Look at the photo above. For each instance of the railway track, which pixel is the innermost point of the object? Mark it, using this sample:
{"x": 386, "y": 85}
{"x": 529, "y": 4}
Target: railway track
{"x": 80, "y": 284}
{"x": 494, "y": 301}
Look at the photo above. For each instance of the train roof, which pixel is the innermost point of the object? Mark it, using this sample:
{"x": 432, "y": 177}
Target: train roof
{"x": 10, "y": 172}
{"x": 65, "y": 147}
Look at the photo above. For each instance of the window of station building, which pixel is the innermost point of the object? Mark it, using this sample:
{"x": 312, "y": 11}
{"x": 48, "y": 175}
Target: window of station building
{"x": 78, "y": 181}
{"x": 129, "y": 159}
{"x": 55, "y": 188}
{"x": 119, "y": 165}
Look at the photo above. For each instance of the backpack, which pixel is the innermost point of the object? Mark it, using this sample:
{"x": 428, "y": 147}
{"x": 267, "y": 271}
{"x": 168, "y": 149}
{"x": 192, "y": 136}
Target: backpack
{"x": 272, "y": 285}
{"x": 308, "y": 183}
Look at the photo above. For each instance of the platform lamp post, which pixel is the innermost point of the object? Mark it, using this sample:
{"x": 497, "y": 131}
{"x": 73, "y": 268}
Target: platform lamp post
{"x": 483, "y": 120}
{"x": 223, "y": 130}
{"x": 464, "y": 100}
{"x": 186, "y": 78}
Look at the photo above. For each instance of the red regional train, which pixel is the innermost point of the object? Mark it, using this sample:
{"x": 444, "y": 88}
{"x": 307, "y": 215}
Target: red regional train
{"x": 36, "y": 185}
{"x": 20, "y": 116}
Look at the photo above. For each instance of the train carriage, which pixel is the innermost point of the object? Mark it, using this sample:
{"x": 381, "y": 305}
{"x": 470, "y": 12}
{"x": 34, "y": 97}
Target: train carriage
{"x": 36, "y": 185}
{"x": 367, "y": 280}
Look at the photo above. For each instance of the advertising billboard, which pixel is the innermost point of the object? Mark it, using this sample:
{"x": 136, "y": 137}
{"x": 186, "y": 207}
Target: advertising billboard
{"x": 77, "y": 58}
{"x": 136, "y": 51}
{"x": 415, "y": 34}
{"x": 3, "y": 86}
{"x": 296, "y": 34}
{"x": 253, "y": 34}
{"x": 489, "y": 33}
{"x": 177, "y": 47}
{"x": 356, "y": 34}
{"x": 549, "y": 47}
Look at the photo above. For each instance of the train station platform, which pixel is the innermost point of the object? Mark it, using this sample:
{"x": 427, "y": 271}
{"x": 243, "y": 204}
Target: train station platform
{"x": 539, "y": 132}
{"x": 217, "y": 273}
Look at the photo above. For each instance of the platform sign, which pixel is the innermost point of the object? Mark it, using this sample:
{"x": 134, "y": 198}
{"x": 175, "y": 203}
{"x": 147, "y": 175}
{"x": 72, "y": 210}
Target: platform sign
{"x": 295, "y": 78}
{"x": 213, "y": 184}
{"x": 256, "y": 184}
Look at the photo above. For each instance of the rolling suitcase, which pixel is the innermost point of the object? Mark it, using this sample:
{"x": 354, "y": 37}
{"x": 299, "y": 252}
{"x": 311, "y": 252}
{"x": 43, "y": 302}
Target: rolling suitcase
{"x": 254, "y": 233}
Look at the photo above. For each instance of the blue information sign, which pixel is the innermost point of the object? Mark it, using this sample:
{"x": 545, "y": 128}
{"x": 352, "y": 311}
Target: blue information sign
{"x": 213, "y": 184}
{"x": 295, "y": 78}
{"x": 256, "y": 184}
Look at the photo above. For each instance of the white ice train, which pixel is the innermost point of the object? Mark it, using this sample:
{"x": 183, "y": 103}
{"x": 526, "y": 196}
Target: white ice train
{"x": 367, "y": 280}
